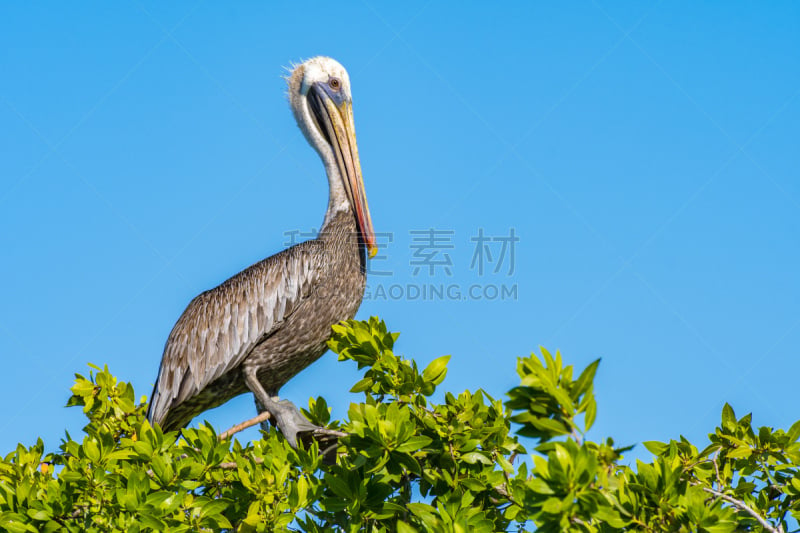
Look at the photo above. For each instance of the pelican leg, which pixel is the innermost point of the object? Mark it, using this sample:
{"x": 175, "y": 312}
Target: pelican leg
{"x": 265, "y": 425}
{"x": 288, "y": 418}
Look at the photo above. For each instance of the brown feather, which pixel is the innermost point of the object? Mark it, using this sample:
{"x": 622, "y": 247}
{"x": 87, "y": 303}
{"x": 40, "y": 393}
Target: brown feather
{"x": 255, "y": 319}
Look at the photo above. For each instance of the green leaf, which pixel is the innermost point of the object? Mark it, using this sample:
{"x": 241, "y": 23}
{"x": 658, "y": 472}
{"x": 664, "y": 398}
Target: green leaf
{"x": 591, "y": 414}
{"x": 655, "y": 447}
{"x": 423, "y": 511}
{"x": 120, "y": 454}
{"x": 15, "y": 523}
{"x": 503, "y": 463}
{"x": 214, "y": 507}
{"x": 585, "y": 380}
{"x": 39, "y": 514}
{"x": 740, "y": 453}
{"x": 403, "y": 527}
{"x": 728, "y": 417}
{"x": 550, "y": 426}
{"x": 414, "y": 444}
{"x": 152, "y": 522}
{"x": 91, "y": 450}
{"x": 794, "y": 432}
{"x": 476, "y": 457}
{"x": 436, "y": 371}
{"x": 362, "y": 385}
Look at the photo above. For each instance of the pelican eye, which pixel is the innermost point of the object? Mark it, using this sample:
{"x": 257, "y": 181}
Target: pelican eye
{"x": 335, "y": 84}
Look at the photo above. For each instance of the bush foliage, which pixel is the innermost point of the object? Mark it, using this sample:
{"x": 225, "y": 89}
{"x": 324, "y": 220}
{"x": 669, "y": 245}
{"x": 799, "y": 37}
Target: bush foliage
{"x": 408, "y": 464}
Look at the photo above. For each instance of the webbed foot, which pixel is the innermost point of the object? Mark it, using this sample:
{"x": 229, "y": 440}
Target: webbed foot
{"x": 291, "y": 423}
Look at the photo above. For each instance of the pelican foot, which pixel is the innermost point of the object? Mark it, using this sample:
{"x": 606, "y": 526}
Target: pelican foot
{"x": 291, "y": 422}
{"x": 295, "y": 427}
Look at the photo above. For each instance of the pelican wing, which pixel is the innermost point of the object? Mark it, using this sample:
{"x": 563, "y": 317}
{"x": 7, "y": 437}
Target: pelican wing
{"x": 220, "y": 327}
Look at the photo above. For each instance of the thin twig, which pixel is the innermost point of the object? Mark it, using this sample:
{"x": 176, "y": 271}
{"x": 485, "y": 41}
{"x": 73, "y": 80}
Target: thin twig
{"x": 244, "y": 425}
{"x": 739, "y": 504}
{"x": 231, "y": 465}
{"x": 329, "y": 433}
{"x": 716, "y": 469}
{"x": 502, "y": 490}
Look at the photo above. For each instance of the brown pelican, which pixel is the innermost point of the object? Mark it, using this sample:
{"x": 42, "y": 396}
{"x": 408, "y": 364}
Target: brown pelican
{"x": 258, "y": 329}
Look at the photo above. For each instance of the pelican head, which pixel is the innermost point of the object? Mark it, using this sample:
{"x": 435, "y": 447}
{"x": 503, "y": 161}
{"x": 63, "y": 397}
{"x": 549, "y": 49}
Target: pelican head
{"x": 319, "y": 94}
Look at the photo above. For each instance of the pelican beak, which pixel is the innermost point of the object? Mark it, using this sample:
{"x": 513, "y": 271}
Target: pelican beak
{"x": 334, "y": 115}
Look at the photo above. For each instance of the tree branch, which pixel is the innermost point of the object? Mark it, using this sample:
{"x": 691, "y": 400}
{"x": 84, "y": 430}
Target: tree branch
{"x": 716, "y": 469}
{"x": 244, "y": 425}
{"x": 739, "y": 504}
{"x": 502, "y": 490}
{"x": 231, "y": 465}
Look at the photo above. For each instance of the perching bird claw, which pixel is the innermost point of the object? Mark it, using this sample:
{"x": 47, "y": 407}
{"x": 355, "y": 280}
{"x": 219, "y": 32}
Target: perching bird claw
{"x": 294, "y": 426}
{"x": 290, "y": 421}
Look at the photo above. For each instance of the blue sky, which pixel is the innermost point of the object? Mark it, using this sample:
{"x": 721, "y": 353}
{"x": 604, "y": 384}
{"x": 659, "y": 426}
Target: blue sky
{"x": 644, "y": 153}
